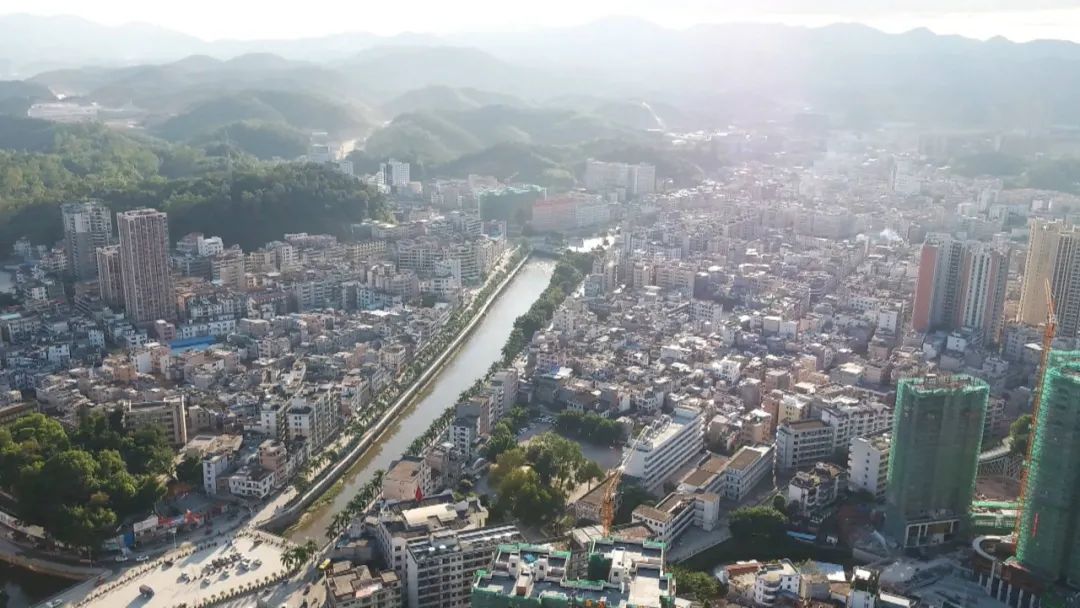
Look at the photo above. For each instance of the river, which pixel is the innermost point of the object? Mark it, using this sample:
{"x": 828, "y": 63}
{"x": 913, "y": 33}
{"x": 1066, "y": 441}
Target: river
{"x": 482, "y": 348}
{"x": 25, "y": 588}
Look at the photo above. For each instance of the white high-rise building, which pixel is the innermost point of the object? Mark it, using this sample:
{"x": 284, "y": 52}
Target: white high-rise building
{"x": 395, "y": 173}
{"x": 635, "y": 179}
{"x": 642, "y": 179}
{"x": 1053, "y": 255}
{"x": 87, "y": 226}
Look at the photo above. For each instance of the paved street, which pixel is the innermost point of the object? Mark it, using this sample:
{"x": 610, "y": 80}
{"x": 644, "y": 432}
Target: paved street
{"x": 201, "y": 576}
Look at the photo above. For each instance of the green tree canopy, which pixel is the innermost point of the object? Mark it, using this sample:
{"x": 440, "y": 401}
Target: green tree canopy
{"x": 1020, "y": 435}
{"x": 757, "y": 524}
{"x": 79, "y": 491}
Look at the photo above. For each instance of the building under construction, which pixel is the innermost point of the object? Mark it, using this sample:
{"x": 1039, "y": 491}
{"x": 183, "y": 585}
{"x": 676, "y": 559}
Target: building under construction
{"x": 1048, "y": 544}
{"x": 937, "y": 434}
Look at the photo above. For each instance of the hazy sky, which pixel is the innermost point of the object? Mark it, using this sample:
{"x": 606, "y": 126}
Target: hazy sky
{"x": 247, "y": 19}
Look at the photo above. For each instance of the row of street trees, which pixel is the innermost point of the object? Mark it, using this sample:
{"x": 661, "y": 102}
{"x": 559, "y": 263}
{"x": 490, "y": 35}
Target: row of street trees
{"x": 420, "y": 361}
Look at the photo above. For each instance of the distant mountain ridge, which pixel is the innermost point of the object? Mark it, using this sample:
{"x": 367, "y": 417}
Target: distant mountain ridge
{"x": 706, "y": 76}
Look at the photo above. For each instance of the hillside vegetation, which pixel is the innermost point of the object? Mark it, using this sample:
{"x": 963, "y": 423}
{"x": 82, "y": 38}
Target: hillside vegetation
{"x": 297, "y": 110}
{"x": 439, "y": 137}
{"x": 445, "y": 98}
{"x": 43, "y": 164}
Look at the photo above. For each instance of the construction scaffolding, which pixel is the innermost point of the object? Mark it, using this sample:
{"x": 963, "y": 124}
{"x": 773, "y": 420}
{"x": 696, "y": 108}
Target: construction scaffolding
{"x": 936, "y": 440}
{"x": 1048, "y": 542}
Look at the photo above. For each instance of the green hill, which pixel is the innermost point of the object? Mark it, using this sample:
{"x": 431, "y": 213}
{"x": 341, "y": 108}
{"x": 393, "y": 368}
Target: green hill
{"x": 515, "y": 162}
{"x": 263, "y": 140}
{"x": 439, "y": 137}
{"x": 296, "y": 110}
{"x": 16, "y": 96}
{"x": 447, "y": 99}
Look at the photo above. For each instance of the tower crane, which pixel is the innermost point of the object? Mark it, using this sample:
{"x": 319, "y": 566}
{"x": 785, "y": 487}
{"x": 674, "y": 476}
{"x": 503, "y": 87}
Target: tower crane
{"x": 1048, "y": 339}
{"x": 607, "y": 504}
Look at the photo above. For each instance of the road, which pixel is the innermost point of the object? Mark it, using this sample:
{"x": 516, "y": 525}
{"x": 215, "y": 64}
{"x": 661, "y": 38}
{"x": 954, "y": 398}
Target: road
{"x": 464, "y": 366}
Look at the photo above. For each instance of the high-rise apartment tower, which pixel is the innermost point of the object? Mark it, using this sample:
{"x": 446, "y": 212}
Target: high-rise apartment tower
{"x": 87, "y": 226}
{"x": 144, "y": 264}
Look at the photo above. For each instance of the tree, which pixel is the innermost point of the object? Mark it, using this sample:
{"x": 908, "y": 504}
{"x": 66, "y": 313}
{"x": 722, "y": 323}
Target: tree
{"x": 779, "y": 503}
{"x": 757, "y": 524}
{"x": 1020, "y": 435}
{"x": 631, "y": 496}
{"x": 150, "y": 452}
{"x": 697, "y": 586}
{"x": 189, "y": 471}
{"x": 502, "y": 439}
{"x": 532, "y": 481}
{"x": 524, "y": 496}
{"x": 589, "y": 427}
{"x": 78, "y": 495}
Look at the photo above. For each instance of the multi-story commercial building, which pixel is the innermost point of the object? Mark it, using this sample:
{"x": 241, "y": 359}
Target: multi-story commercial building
{"x": 936, "y": 437}
{"x": 395, "y": 174}
{"x": 349, "y": 586}
{"x": 407, "y": 479}
{"x": 1053, "y": 256}
{"x": 110, "y": 276}
{"x": 665, "y": 446}
{"x": 674, "y": 515}
{"x": 87, "y": 226}
{"x": 868, "y": 464}
{"x": 816, "y": 489}
{"x": 621, "y": 572}
{"x": 214, "y": 467}
{"x": 227, "y": 268}
{"x": 314, "y": 416}
{"x": 641, "y": 179}
{"x": 774, "y": 580}
{"x": 853, "y": 418}
{"x": 1049, "y": 542}
{"x": 504, "y": 388}
{"x": 961, "y": 284}
{"x": 743, "y": 471}
{"x": 571, "y": 212}
{"x": 169, "y": 415}
{"x": 144, "y": 263}
{"x": 397, "y": 524}
{"x": 441, "y": 568}
{"x": 274, "y": 457}
{"x": 251, "y": 481}
{"x": 801, "y": 443}
{"x": 636, "y": 180}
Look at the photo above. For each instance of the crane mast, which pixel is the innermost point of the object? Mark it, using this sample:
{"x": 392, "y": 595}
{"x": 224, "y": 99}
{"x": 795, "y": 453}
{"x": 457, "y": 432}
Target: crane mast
{"x": 607, "y": 505}
{"x": 1048, "y": 339}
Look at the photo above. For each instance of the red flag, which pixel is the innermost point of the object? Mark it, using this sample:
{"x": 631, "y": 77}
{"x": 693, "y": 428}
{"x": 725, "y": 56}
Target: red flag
{"x": 419, "y": 494}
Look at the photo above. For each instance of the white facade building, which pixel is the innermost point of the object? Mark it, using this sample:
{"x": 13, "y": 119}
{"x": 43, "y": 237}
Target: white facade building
{"x": 774, "y": 579}
{"x": 868, "y": 464}
{"x": 802, "y": 443}
{"x": 667, "y": 445}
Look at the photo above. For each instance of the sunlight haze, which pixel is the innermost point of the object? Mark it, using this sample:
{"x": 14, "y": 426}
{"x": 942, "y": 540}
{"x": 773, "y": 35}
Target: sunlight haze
{"x": 248, "y": 20}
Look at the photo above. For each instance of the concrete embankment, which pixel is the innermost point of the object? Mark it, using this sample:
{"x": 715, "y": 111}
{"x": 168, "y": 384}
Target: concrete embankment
{"x": 292, "y": 513}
